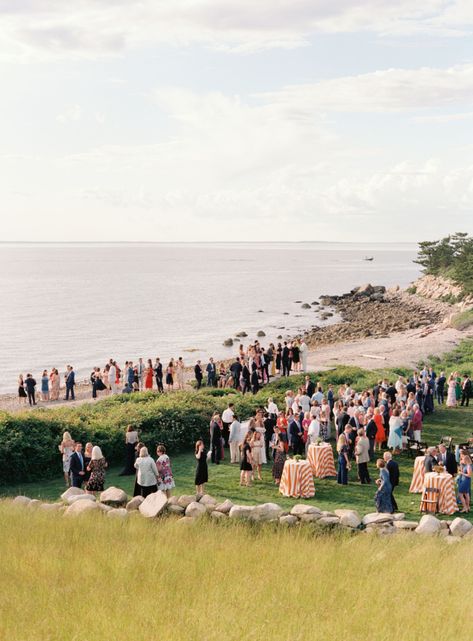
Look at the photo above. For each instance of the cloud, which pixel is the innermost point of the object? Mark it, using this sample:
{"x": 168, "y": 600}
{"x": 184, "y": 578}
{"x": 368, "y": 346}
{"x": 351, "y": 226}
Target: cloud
{"x": 90, "y": 28}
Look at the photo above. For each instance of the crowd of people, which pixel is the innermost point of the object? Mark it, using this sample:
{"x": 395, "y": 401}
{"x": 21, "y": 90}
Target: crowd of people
{"x": 384, "y": 418}
{"x": 251, "y": 369}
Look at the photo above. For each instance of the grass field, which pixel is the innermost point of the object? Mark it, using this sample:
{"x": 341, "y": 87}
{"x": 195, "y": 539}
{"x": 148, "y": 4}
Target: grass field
{"x": 95, "y": 579}
{"x": 224, "y": 479}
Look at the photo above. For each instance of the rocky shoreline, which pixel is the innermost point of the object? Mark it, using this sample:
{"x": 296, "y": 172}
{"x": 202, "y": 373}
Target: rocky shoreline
{"x": 374, "y": 311}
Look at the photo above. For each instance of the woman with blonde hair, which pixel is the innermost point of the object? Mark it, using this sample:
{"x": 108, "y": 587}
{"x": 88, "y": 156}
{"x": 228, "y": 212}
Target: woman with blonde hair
{"x": 66, "y": 447}
{"x": 147, "y": 473}
{"x": 343, "y": 461}
{"x": 96, "y": 467}
{"x": 464, "y": 480}
{"x": 256, "y": 444}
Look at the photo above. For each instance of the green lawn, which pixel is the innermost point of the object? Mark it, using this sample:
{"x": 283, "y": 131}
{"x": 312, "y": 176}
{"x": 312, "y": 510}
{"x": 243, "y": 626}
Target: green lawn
{"x": 224, "y": 478}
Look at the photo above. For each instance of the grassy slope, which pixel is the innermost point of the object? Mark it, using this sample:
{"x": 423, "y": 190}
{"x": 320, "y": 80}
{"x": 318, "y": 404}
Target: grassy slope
{"x": 224, "y": 478}
{"x": 99, "y": 579}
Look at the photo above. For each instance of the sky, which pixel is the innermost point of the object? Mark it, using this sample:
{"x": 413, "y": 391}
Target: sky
{"x": 235, "y": 120}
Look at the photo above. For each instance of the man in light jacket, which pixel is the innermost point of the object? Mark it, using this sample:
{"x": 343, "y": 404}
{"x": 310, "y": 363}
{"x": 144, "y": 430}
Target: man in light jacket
{"x": 362, "y": 455}
{"x": 234, "y": 440}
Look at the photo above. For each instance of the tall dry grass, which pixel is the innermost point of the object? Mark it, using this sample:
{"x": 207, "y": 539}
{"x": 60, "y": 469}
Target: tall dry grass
{"x": 95, "y": 579}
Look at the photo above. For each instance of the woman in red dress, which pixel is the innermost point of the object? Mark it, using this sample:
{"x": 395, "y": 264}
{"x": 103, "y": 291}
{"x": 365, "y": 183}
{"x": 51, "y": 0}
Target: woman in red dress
{"x": 149, "y": 375}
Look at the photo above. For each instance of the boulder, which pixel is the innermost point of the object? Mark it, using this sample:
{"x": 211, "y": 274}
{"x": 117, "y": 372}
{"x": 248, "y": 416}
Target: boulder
{"x": 349, "y": 518}
{"x": 241, "y": 511}
{"x": 51, "y": 507}
{"x": 118, "y": 513}
{"x": 241, "y": 334}
{"x": 428, "y": 524}
{"x": 365, "y": 290}
{"x": 266, "y": 512}
{"x": 81, "y": 507}
{"x": 290, "y": 519}
{"x": 325, "y": 513}
{"x": 72, "y": 491}
{"x": 399, "y": 516}
{"x": 305, "y": 306}
{"x": 377, "y": 517}
{"x": 114, "y": 496}
{"x": 80, "y": 497}
{"x": 21, "y": 500}
{"x": 104, "y": 508}
{"x": 460, "y": 527}
{"x": 300, "y": 509}
{"x": 310, "y": 517}
{"x": 153, "y": 504}
{"x": 175, "y": 509}
{"x": 185, "y": 500}
{"x": 196, "y": 510}
{"x": 33, "y": 504}
{"x": 382, "y": 529}
{"x": 328, "y": 520}
{"x": 224, "y": 507}
{"x": 405, "y": 525}
{"x": 208, "y": 501}
{"x": 218, "y": 515}
{"x": 260, "y": 333}
{"x": 228, "y": 342}
{"x": 134, "y": 503}
{"x": 173, "y": 500}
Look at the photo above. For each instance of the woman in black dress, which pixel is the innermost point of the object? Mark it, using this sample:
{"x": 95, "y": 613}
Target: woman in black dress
{"x": 202, "y": 471}
{"x": 87, "y": 459}
{"x": 254, "y": 379}
{"x": 21, "y": 390}
{"x": 131, "y": 439}
{"x": 278, "y": 358}
{"x": 246, "y": 465}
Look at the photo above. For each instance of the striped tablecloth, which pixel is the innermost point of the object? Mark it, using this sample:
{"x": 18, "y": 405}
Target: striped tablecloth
{"x": 444, "y": 482}
{"x": 297, "y": 480}
{"x": 418, "y": 476}
{"x": 321, "y": 460}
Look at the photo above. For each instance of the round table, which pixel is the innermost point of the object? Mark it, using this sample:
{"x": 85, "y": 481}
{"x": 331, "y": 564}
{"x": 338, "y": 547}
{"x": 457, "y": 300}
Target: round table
{"x": 321, "y": 460}
{"x": 297, "y": 480}
{"x": 418, "y": 475}
{"x": 443, "y": 482}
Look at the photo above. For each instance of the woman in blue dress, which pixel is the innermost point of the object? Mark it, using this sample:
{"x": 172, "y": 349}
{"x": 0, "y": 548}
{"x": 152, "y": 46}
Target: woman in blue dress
{"x": 464, "y": 480}
{"x": 384, "y": 492}
{"x": 45, "y": 386}
{"x": 343, "y": 460}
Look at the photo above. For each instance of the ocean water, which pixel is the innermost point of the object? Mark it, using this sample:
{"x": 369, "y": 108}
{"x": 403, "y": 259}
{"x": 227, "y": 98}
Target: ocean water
{"x": 85, "y": 303}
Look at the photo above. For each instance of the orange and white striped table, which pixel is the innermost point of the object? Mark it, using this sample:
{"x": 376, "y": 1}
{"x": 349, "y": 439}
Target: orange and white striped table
{"x": 297, "y": 480}
{"x": 417, "y": 483}
{"x": 444, "y": 482}
{"x": 321, "y": 460}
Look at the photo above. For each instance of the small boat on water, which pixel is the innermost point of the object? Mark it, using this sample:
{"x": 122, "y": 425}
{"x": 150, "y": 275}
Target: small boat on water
{"x": 368, "y": 258}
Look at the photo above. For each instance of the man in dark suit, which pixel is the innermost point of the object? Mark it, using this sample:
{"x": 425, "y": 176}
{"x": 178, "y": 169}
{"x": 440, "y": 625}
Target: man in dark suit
{"x": 77, "y": 466}
{"x": 391, "y": 392}
{"x": 393, "y": 471}
{"x": 236, "y": 369}
{"x": 295, "y": 436}
{"x": 30, "y": 385}
{"x": 371, "y": 430}
{"x": 342, "y": 419}
{"x": 216, "y": 439}
{"x": 441, "y": 388}
{"x": 447, "y": 459}
{"x": 211, "y": 370}
{"x": 198, "y": 374}
{"x": 158, "y": 374}
{"x": 70, "y": 382}
{"x": 286, "y": 364}
{"x": 466, "y": 390}
{"x": 309, "y": 386}
{"x": 430, "y": 459}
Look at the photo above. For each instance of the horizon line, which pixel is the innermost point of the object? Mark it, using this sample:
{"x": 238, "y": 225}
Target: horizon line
{"x": 209, "y": 242}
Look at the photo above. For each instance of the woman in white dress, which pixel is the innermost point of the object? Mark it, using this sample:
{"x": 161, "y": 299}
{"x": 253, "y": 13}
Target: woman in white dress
{"x": 395, "y": 431}
{"x": 66, "y": 447}
{"x": 451, "y": 396}
{"x": 257, "y": 449}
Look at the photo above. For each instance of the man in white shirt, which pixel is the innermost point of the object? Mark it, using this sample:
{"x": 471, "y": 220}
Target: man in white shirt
{"x": 313, "y": 431}
{"x": 112, "y": 377}
{"x": 304, "y": 402}
{"x": 318, "y": 396}
{"x": 272, "y": 408}
{"x": 227, "y": 418}
{"x": 303, "y": 350}
{"x": 234, "y": 441}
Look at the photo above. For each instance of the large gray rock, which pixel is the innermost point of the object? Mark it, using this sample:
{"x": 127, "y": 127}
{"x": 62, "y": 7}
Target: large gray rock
{"x": 428, "y": 524}
{"x": 134, "y": 503}
{"x": 349, "y": 518}
{"x": 266, "y": 512}
{"x": 104, "y": 508}
{"x": 208, "y": 502}
{"x": 196, "y": 510}
{"x": 153, "y": 504}
{"x": 310, "y": 517}
{"x": 173, "y": 500}
{"x": 80, "y": 497}
{"x": 81, "y": 507}
{"x": 300, "y": 509}
{"x": 114, "y": 496}
{"x": 51, "y": 507}
{"x": 289, "y": 519}
{"x": 118, "y": 513}
{"x": 460, "y": 527}
{"x": 71, "y": 491}
{"x": 241, "y": 511}
{"x": 33, "y": 504}
{"x": 218, "y": 516}
{"x": 21, "y": 500}
{"x": 185, "y": 500}
{"x": 377, "y": 517}
{"x": 224, "y": 507}
{"x": 328, "y": 520}
{"x": 175, "y": 509}
{"x": 399, "y": 516}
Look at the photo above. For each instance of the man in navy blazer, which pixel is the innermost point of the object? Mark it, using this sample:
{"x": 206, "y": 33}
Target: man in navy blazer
{"x": 77, "y": 466}
{"x": 70, "y": 382}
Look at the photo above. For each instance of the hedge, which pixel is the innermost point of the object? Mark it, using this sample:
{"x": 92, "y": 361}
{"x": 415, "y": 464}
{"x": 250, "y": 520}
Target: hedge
{"x": 29, "y": 440}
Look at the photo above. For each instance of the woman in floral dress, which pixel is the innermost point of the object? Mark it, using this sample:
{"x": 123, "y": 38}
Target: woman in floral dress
{"x": 163, "y": 463}
{"x": 96, "y": 467}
